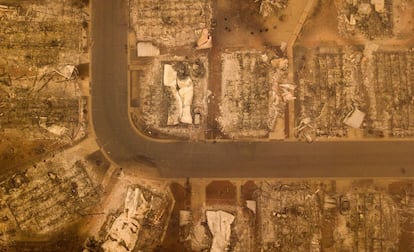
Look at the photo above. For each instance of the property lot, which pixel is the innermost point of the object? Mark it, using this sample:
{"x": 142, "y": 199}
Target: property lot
{"x": 42, "y": 43}
{"x": 301, "y": 215}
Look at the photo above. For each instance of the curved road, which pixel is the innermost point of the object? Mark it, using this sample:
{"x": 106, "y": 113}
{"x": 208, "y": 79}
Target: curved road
{"x": 223, "y": 159}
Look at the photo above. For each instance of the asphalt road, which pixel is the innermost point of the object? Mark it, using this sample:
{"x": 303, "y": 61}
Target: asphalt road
{"x": 222, "y": 159}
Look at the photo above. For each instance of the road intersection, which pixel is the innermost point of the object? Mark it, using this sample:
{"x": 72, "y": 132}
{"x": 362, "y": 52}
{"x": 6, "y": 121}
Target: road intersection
{"x": 116, "y": 135}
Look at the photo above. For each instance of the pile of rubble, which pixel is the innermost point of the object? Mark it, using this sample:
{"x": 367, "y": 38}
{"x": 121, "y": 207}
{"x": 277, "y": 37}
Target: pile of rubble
{"x": 46, "y": 34}
{"x": 223, "y": 230}
{"x": 41, "y": 43}
{"x": 139, "y": 225}
{"x": 289, "y": 217}
{"x": 175, "y": 103}
{"x": 180, "y": 93}
{"x": 303, "y": 216}
{"x": 255, "y": 89}
{"x": 169, "y": 80}
{"x": 402, "y": 193}
{"x": 331, "y": 94}
{"x": 371, "y": 18}
{"x": 367, "y": 221}
{"x": 219, "y": 223}
{"x": 268, "y": 7}
{"x": 370, "y": 90}
{"x": 124, "y": 231}
{"x": 46, "y": 198}
{"x": 49, "y": 105}
{"x": 170, "y": 23}
{"x": 299, "y": 215}
{"x": 391, "y": 109}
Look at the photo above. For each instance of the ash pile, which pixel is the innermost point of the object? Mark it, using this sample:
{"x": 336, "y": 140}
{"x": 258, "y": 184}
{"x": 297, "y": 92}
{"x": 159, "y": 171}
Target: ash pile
{"x": 289, "y": 217}
{"x": 372, "y": 19}
{"x": 138, "y": 226}
{"x": 354, "y": 92}
{"x": 330, "y": 91}
{"x": 41, "y": 45}
{"x": 46, "y": 198}
{"x": 255, "y": 90}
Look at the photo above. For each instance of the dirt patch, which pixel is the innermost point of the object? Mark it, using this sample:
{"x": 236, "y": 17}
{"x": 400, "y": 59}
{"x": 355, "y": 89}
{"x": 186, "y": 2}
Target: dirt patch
{"x": 99, "y": 163}
{"x": 213, "y": 128}
{"x": 317, "y": 28}
{"x": 249, "y": 190}
{"x": 221, "y": 193}
{"x": 83, "y": 70}
{"x": 239, "y": 24}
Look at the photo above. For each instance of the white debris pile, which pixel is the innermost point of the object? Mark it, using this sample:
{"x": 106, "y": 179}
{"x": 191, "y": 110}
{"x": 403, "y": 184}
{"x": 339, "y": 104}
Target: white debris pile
{"x": 205, "y": 40}
{"x": 175, "y": 108}
{"x": 123, "y": 233}
{"x": 181, "y": 92}
{"x": 355, "y": 118}
{"x": 219, "y": 223}
{"x": 287, "y": 91}
{"x": 186, "y": 92}
{"x": 54, "y": 129}
{"x": 147, "y": 49}
{"x": 252, "y": 205}
{"x": 269, "y": 7}
{"x": 66, "y": 71}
